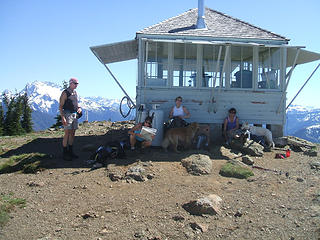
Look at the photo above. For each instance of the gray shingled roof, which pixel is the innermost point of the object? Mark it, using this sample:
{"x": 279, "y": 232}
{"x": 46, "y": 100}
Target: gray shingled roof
{"x": 219, "y": 25}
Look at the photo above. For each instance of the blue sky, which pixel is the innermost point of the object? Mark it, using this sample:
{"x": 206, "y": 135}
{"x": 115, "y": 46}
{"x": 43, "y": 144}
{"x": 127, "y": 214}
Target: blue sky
{"x": 49, "y": 40}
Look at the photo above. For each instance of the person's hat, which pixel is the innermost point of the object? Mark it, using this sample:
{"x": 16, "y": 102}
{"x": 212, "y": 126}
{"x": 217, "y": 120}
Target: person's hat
{"x": 73, "y": 80}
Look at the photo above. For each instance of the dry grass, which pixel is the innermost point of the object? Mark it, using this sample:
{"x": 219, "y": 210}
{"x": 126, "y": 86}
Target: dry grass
{"x": 7, "y": 204}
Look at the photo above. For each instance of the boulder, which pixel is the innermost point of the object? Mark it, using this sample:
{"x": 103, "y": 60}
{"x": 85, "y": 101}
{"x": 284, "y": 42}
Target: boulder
{"x": 311, "y": 153}
{"x": 315, "y": 165}
{"x": 136, "y": 173}
{"x": 237, "y": 163}
{"x": 197, "y": 164}
{"x": 115, "y": 176}
{"x": 298, "y": 142}
{"x": 249, "y": 147}
{"x": 210, "y": 205}
{"x": 139, "y": 172}
{"x": 199, "y": 226}
{"x": 280, "y": 141}
{"x": 226, "y": 153}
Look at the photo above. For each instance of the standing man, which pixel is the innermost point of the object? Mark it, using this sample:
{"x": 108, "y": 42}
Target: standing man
{"x": 68, "y": 110}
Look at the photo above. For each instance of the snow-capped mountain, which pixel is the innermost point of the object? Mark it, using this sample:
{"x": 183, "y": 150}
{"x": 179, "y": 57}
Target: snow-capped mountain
{"x": 44, "y": 96}
{"x": 44, "y": 101}
{"x": 303, "y": 122}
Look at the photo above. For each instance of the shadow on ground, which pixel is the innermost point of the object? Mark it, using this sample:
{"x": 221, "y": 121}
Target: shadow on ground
{"x": 52, "y": 147}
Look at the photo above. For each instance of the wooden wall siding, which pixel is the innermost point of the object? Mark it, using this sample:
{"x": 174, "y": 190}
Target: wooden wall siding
{"x": 253, "y": 107}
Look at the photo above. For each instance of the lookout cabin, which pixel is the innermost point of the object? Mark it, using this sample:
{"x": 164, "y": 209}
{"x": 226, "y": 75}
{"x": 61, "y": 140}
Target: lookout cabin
{"x": 215, "y": 62}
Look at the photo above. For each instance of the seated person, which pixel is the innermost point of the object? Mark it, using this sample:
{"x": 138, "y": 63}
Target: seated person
{"x": 231, "y": 126}
{"x": 178, "y": 113}
{"x": 136, "y": 136}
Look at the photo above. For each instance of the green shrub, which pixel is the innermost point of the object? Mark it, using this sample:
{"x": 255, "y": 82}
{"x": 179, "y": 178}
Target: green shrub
{"x": 31, "y": 167}
{"x": 27, "y": 163}
{"x": 235, "y": 171}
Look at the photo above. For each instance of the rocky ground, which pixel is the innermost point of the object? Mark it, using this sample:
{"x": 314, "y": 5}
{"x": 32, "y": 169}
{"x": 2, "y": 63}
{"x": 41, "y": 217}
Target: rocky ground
{"x": 69, "y": 200}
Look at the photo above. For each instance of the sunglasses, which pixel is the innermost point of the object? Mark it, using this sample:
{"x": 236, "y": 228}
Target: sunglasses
{"x": 233, "y": 112}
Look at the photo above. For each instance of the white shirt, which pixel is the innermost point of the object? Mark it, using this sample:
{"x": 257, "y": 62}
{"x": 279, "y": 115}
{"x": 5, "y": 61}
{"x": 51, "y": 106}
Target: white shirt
{"x": 177, "y": 111}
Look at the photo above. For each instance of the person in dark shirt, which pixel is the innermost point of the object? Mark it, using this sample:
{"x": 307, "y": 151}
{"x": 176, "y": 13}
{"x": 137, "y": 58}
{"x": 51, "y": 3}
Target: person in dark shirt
{"x": 69, "y": 108}
{"x": 231, "y": 126}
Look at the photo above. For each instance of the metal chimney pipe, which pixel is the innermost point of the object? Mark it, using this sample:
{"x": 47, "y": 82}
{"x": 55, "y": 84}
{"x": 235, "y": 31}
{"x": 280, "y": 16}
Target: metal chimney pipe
{"x": 200, "y": 21}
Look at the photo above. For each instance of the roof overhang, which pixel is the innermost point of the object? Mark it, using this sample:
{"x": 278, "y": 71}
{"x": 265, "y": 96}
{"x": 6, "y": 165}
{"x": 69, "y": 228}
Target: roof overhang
{"x": 127, "y": 50}
{"x": 303, "y": 57}
{"x": 116, "y": 52}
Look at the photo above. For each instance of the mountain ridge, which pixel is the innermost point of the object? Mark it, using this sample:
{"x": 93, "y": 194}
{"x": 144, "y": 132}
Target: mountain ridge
{"x": 302, "y": 121}
{"x": 44, "y": 101}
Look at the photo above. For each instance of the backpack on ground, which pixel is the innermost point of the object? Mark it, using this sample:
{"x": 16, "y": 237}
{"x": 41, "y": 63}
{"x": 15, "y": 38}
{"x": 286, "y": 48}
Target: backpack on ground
{"x": 111, "y": 150}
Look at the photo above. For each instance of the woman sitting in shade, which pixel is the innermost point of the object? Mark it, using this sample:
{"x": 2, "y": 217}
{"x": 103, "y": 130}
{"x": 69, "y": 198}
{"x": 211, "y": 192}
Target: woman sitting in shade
{"x": 178, "y": 113}
{"x": 231, "y": 126}
{"x": 135, "y": 134}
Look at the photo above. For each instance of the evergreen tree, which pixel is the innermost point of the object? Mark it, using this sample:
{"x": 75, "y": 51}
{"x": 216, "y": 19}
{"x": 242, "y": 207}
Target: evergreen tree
{"x": 1, "y": 120}
{"x": 8, "y": 104}
{"x": 16, "y": 128}
{"x": 26, "y": 121}
{"x": 13, "y": 115}
{"x": 58, "y": 121}
{"x": 64, "y": 84}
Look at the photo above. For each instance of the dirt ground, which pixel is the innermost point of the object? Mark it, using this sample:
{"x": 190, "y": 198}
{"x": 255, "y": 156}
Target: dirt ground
{"x": 68, "y": 201}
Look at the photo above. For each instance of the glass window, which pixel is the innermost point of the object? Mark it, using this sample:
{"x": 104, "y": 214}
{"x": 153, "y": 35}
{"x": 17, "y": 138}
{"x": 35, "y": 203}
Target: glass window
{"x": 241, "y": 67}
{"x": 156, "y": 64}
{"x": 184, "y": 65}
{"x": 269, "y": 68}
{"x": 212, "y": 68}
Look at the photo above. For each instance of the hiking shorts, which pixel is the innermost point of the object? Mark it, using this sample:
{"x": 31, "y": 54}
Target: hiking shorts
{"x": 140, "y": 139}
{"x": 72, "y": 121}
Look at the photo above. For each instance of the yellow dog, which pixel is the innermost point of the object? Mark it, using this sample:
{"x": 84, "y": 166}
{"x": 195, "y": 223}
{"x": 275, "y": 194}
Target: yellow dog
{"x": 183, "y": 135}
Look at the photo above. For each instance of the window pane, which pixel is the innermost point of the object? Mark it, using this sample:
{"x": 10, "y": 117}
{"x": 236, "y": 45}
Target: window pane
{"x": 212, "y": 68}
{"x": 241, "y": 67}
{"x": 184, "y": 65}
{"x": 156, "y": 66}
{"x": 269, "y": 68}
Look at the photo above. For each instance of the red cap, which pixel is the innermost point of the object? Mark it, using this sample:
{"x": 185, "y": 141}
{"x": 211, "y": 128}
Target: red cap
{"x": 73, "y": 80}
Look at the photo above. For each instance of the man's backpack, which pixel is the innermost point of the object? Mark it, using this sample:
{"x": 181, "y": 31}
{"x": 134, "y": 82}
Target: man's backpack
{"x": 111, "y": 150}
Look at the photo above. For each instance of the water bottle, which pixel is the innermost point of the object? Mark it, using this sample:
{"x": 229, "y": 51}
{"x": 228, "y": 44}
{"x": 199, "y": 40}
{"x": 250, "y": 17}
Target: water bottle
{"x": 288, "y": 153}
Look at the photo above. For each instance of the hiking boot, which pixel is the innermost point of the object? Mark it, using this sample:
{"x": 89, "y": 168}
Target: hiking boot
{"x": 71, "y": 153}
{"x": 65, "y": 155}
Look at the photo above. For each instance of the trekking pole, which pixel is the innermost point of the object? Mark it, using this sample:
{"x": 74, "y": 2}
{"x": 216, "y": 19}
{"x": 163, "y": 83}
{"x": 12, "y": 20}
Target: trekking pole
{"x": 270, "y": 170}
